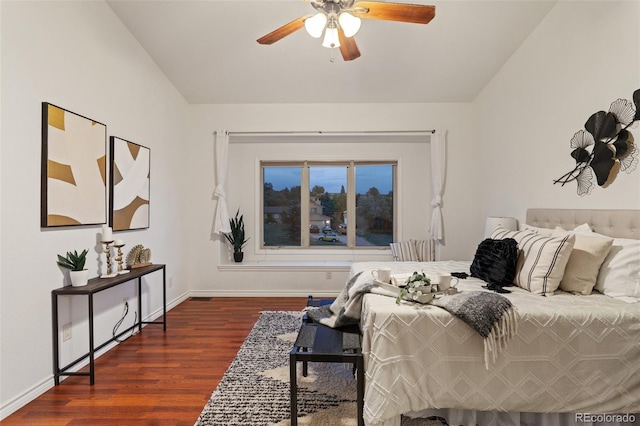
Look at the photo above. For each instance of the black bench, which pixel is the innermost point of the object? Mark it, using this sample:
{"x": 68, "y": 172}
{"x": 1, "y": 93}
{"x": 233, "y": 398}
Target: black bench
{"x": 319, "y": 343}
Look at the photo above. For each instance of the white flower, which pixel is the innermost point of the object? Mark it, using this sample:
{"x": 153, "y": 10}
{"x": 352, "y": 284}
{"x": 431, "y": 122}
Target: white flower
{"x": 416, "y": 280}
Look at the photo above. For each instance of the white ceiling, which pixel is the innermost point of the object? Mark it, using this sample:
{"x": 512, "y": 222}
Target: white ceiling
{"x": 208, "y": 50}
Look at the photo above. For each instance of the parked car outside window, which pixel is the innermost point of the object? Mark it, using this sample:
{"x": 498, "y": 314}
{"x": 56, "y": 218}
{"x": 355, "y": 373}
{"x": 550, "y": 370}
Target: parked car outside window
{"x": 342, "y": 229}
{"x": 327, "y": 229}
{"x": 331, "y": 236}
{"x": 314, "y": 229}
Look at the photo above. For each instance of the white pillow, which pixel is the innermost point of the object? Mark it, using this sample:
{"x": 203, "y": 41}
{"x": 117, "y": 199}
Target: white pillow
{"x": 585, "y": 227}
{"x": 619, "y": 275}
{"x": 581, "y": 272}
{"x": 620, "y": 272}
{"x": 542, "y": 260}
{"x": 545, "y": 232}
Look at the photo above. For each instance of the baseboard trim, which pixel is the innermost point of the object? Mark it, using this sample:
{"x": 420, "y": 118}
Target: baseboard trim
{"x": 48, "y": 383}
{"x": 253, "y": 293}
{"x": 28, "y": 396}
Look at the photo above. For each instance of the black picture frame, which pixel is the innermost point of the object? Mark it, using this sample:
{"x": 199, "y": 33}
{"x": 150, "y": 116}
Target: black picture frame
{"x": 130, "y": 185}
{"x": 73, "y": 169}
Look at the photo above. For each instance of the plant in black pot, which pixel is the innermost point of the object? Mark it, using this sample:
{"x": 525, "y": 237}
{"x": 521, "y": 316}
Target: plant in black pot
{"x": 75, "y": 263}
{"x": 236, "y": 237}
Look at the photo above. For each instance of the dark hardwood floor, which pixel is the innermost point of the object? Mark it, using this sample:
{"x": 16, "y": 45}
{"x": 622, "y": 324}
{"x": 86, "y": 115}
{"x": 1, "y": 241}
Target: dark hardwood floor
{"x": 156, "y": 377}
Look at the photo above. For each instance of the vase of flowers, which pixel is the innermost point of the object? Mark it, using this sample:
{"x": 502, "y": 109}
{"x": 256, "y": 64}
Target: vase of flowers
{"x": 416, "y": 285}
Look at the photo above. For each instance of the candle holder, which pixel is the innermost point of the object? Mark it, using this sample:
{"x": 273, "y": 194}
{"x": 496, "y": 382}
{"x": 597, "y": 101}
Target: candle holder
{"x": 119, "y": 259}
{"x": 107, "y": 253}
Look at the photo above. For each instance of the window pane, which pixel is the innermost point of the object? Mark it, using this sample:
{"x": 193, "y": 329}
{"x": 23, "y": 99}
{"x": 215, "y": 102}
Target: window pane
{"x": 281, "y": 195}
{"x": 374, "y": 205}
{"x": 327, "y": 205}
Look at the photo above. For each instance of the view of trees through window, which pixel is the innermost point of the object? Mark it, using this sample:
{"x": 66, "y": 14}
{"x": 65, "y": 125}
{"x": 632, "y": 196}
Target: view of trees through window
{"x": 282, "y": 206}
{"x": 325, "y": 214}
{"x": 374, "y": 205}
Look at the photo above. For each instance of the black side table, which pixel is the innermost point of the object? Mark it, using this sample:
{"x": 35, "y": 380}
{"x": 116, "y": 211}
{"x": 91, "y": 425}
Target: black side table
{"x": 319, "y": 343}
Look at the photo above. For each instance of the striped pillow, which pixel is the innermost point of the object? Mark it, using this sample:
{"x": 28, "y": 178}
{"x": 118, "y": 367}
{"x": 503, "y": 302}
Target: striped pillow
{"x": 425, "y": 250}
{"x": 542, "y": 260}
{"x": 404, "y": 251}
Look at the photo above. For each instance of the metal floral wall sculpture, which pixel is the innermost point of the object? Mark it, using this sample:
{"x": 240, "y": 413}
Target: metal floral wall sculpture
{"x": 606, "y": 146}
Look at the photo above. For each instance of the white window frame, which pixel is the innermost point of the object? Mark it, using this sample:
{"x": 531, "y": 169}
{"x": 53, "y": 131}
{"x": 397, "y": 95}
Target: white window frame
{"x": 305, "y": 165}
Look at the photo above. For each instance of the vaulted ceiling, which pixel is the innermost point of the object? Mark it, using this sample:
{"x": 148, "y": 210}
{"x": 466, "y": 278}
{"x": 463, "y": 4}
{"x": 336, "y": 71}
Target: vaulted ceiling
{"x": 208, "y": 50}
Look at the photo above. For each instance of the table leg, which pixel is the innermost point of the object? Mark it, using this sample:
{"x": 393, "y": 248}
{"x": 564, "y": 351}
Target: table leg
{"x": 54, "y": 323}
{"x": 305, "y": 368}
{"x": 139, "y": 304}
{"x": 360, "y": 387}
{"x": 92, "y": 376}
{"x": 164, "y": 298}
{"x": 294, "y": 388}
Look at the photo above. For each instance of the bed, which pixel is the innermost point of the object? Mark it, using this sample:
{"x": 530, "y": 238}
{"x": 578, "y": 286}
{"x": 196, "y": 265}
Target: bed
{"x": 573, "y": 356}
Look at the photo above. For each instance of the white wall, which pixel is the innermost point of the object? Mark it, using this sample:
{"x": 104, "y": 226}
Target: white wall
{"x": 461, "y": 219}
{"x": 413, "y": 198}
{"x": 79, "y": 56}
{"x": 504, "y": 151}
{"x": 582, "y": 57}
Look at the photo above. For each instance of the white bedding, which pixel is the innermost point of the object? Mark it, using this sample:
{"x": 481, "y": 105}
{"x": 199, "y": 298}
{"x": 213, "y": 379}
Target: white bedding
{"x": 577, "y": 354}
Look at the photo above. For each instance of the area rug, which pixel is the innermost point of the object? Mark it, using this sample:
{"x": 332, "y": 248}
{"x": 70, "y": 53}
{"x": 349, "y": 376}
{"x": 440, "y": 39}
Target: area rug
{"x": 254, "y": 391}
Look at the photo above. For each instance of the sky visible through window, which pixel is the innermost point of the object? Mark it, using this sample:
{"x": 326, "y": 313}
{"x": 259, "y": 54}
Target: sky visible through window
{"x": 333, "y": 178}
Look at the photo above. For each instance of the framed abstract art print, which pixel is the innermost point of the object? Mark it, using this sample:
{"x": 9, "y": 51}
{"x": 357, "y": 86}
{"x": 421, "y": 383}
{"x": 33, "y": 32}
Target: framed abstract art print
{"x": 130, "y": 179}
{"x": 73, "y": 177}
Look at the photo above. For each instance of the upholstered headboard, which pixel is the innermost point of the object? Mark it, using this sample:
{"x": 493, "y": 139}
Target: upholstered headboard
{"x": 614, "y": 223}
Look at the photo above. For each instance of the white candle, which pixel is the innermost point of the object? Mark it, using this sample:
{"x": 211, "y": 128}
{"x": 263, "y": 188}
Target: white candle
{"x": 118, "y": 243}
{"x": 106, "y": 233}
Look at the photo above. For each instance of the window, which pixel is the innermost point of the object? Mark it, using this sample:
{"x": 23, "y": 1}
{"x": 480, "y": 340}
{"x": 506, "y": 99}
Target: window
{"x": 374, "y": 204}
{"x": 281, "y": 206}
{"x": 346, "y": 204}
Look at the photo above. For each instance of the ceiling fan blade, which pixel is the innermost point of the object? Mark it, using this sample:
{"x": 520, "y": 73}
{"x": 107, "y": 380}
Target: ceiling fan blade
{"x": 283, "y": 31}
{"x": 414, "y": 13}
{"x": 348, "y": 46}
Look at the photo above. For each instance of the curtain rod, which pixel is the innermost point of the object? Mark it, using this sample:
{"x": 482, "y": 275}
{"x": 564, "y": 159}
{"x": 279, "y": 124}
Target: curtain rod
{"x": 320, "y": 133}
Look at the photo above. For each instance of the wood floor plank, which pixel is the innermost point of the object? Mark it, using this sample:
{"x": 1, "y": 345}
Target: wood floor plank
{"x": 156, "y": 377}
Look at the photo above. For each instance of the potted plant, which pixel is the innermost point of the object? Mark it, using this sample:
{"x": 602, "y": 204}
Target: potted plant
{"x": 75, "y": 263}
{"x": 236, "y": 237}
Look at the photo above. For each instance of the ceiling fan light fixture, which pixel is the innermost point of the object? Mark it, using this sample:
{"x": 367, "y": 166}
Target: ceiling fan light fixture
{"x": 331, "y": 38}
{"x": 350, "y": 24}
{"x": 315, "y": 25}
{"x": 340, "y": 21}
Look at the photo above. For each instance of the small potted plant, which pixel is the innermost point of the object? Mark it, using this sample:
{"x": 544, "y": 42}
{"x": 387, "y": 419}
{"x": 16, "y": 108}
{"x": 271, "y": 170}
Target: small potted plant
{"x": 75, "y": 263}
{"x": 236, "y": 237}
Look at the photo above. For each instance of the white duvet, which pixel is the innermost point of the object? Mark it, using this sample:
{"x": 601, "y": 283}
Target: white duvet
{"x": 572, "y": 354}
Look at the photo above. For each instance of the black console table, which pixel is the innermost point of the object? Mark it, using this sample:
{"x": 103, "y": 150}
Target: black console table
{"x": 96, "y": 285}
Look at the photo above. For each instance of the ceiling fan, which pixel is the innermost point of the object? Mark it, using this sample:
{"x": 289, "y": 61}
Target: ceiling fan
{"x": 340, "y": 21}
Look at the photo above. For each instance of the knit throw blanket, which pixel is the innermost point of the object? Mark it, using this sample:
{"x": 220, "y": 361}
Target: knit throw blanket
{"x": 491, "y": 315}
{"x": 345, "y": 310}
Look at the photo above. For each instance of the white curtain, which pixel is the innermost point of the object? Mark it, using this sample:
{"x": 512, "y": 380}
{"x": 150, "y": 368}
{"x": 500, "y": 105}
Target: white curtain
{"x": 221, "y": 218}
{"x": 438, "y": 172}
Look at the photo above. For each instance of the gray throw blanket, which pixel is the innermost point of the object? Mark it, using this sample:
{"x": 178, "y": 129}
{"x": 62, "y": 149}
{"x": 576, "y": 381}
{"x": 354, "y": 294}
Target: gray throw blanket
{"x": 491, "y": 315}
{"x": 345, "y": 310}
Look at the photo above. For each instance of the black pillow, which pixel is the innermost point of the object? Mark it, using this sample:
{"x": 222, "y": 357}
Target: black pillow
{"x": 495, "y": 262}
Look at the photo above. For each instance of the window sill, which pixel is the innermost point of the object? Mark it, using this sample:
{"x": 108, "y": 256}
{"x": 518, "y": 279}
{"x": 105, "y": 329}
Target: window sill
{"x": 313, "y": 266}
